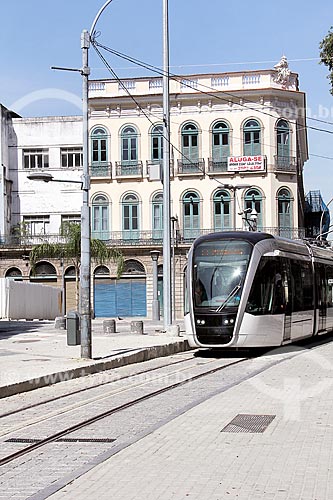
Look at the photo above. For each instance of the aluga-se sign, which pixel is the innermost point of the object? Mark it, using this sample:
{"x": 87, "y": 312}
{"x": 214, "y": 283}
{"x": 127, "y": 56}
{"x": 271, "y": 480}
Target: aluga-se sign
{"x": 246, "y": 163}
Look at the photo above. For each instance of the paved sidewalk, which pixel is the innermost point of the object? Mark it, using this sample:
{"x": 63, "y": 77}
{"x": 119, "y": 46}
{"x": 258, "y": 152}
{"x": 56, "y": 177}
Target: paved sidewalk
{"x": 193, "y": 458}
{"x": 33, "y": 353}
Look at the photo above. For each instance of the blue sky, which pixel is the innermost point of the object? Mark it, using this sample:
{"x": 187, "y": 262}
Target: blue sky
{"x": 213, "y": 35}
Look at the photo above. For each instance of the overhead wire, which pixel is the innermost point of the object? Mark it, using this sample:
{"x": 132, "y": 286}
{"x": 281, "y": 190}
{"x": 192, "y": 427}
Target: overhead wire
{"x": 186, "y": 83}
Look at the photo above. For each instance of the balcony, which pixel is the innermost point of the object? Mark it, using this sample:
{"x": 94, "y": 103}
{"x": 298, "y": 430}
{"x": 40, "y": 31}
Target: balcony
{"x": 285, "y": 164}
{"x": 217, "y": 166}
{"x": 139, "y": 238}
{"x": 103, "y": 169}
{"x": 129, "y": 169}
{"x": 191, "y": 167}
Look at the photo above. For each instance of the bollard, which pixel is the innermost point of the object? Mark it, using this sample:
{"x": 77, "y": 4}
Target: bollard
{"x": 109, "y": 326}
{"x": 137, "y": 327}
{"x": 60, "y": 323}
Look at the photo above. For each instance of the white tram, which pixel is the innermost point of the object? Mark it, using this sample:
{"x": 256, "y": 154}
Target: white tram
{"x": 248, "y": 289}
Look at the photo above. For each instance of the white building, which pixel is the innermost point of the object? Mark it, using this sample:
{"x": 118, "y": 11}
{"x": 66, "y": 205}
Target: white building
{"x": 238, "y": 144}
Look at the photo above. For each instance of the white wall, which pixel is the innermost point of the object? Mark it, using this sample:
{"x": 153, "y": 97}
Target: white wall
{"x": 20, "y": 300}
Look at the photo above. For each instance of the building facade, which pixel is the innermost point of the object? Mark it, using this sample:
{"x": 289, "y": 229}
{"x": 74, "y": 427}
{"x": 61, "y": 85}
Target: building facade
{"x": 238, "y": 145}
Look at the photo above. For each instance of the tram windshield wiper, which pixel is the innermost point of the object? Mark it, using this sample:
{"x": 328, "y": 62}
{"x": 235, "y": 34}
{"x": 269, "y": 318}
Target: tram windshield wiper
{"x": 230, "y": 296}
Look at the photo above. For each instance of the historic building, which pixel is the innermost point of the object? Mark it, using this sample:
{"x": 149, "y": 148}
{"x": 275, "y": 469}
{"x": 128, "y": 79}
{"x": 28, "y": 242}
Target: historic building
{"x": 238, "y": 146}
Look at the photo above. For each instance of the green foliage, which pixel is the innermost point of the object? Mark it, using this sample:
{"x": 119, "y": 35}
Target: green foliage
{"x": 326, "y": 54}
{"x": 70, "y": 250}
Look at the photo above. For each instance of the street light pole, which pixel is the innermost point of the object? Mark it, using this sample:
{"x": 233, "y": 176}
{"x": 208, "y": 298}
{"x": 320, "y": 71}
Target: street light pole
{"x": 167, "y": 317}
{"x": 85, "y": 272}
{"x": 155, "y": 303}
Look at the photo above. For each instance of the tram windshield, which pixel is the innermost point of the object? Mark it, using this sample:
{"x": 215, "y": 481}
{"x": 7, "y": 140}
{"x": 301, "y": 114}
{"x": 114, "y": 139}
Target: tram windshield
{"x": 219, "y": 271}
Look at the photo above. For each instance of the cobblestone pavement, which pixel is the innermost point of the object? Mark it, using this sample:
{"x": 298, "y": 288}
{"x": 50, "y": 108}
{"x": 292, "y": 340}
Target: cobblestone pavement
{"x": 195, "y": 456}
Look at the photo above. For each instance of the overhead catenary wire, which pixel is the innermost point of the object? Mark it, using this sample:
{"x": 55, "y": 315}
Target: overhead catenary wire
{"x": 158, "y": 71}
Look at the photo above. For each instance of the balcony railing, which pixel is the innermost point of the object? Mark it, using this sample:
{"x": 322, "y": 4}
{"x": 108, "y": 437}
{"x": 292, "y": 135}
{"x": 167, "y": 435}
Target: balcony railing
{"x": 142, "y": 238}
{"x": 285, "y": 164}
{"x": 129, "y": 169}
{"x": 217, "y": 166}
{"x": 101, "y": 170}
{"x": 191, "y": 167}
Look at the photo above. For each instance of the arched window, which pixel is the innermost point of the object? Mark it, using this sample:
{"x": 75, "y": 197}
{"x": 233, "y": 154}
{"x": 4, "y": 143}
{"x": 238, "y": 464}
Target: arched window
{"x": 285, "y": 213}
{"x": 14, "y": 273}
{"x": 252, "y": 139}
{"x": 222, "y": 215}
{"x": 129, "y": 146}
{"x": 190, "y": 143}
{"x": 130, "y": 209}
{"x": 157, "y": 216}
{"x": 283, "y": 143}
{"x": 133, "y": 266}
{"x": 220, "y": 142}
{"x": 102, "y": 271}
{"x": 44, "y": 271}
{"x": 157, "y": 144}
{"x": 191, "y": 215}
{"x": 253, "y": 200}
{"x": 99, "y": 147}
{"x": 100, "y": 217}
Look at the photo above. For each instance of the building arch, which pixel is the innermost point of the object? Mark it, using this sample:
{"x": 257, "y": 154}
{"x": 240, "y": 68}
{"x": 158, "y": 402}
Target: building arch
{"x": 99, "y": 147}
{"x": 130, "y": 204}
{"x": 222, "y": 210}
{"x": 191, "y": 209}
{"x": 252, "y": 137}
{"x": 100, "y": 224}
{"x": 285, "y": 212}
{"x": 253, "y": 200}
{"x": 14, "y": 273}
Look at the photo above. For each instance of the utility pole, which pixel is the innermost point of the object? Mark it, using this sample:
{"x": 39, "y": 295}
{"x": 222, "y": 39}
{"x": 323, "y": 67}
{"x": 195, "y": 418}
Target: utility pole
{"x": 85, "y": 271}
{"x": 167, "y": 317}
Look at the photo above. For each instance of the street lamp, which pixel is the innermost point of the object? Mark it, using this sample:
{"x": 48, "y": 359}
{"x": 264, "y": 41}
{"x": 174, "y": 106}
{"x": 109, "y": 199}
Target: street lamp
{"x": 46, "y": 177}
{"x": 155, "y": 303}
{"x": 234, "y": 189}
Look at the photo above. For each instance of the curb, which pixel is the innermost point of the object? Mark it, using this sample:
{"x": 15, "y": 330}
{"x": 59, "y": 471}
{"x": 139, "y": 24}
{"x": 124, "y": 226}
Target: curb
{"x": 138, "y": 356}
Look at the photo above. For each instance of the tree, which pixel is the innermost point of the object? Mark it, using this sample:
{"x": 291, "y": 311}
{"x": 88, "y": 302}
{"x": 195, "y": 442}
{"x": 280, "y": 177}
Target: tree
{"x": 70, "y": 250}
{"x": 326, "y": 54}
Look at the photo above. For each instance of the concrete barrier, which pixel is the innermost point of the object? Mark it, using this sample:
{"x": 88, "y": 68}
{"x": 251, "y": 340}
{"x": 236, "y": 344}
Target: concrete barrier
{"x": 60, "y": 323}
{"x": 109, "y": 326}
{"x": 137, "y": 327}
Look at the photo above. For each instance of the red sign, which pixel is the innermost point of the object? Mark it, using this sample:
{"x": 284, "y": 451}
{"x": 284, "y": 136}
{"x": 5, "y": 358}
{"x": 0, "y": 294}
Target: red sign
{"x": 246, "y": 163}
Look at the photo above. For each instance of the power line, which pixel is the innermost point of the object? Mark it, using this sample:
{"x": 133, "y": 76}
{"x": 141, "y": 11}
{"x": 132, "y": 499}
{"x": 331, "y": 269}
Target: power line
{"x": 186, "y": 83}
{"x": 158, "y": 71}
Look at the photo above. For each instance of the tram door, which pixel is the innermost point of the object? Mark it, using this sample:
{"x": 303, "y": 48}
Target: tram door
{"x": 286, "y": 283}
{"x": 321, "y": 297}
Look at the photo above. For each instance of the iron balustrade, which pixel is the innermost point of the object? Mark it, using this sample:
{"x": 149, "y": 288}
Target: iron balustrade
{"x": 129, "y": 168}
{"x": 217, "y": 165}
{"x": 191, "y": 167}
{"x": 285, "y": 163}
{"x": 144, "y": 238}
{"x": 103, "y": 169}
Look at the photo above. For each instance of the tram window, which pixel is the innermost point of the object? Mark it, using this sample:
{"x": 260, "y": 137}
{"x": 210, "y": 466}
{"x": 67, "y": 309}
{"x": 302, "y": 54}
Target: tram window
{"x": 266, "y": 295}
{"x": 302, "y": 285}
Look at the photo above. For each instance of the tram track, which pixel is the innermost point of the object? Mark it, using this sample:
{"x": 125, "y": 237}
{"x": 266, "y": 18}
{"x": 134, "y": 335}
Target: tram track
{"x": 91, "y": 386}
{"x": 39, "y": 443}
{"x": 113, "y": 392}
